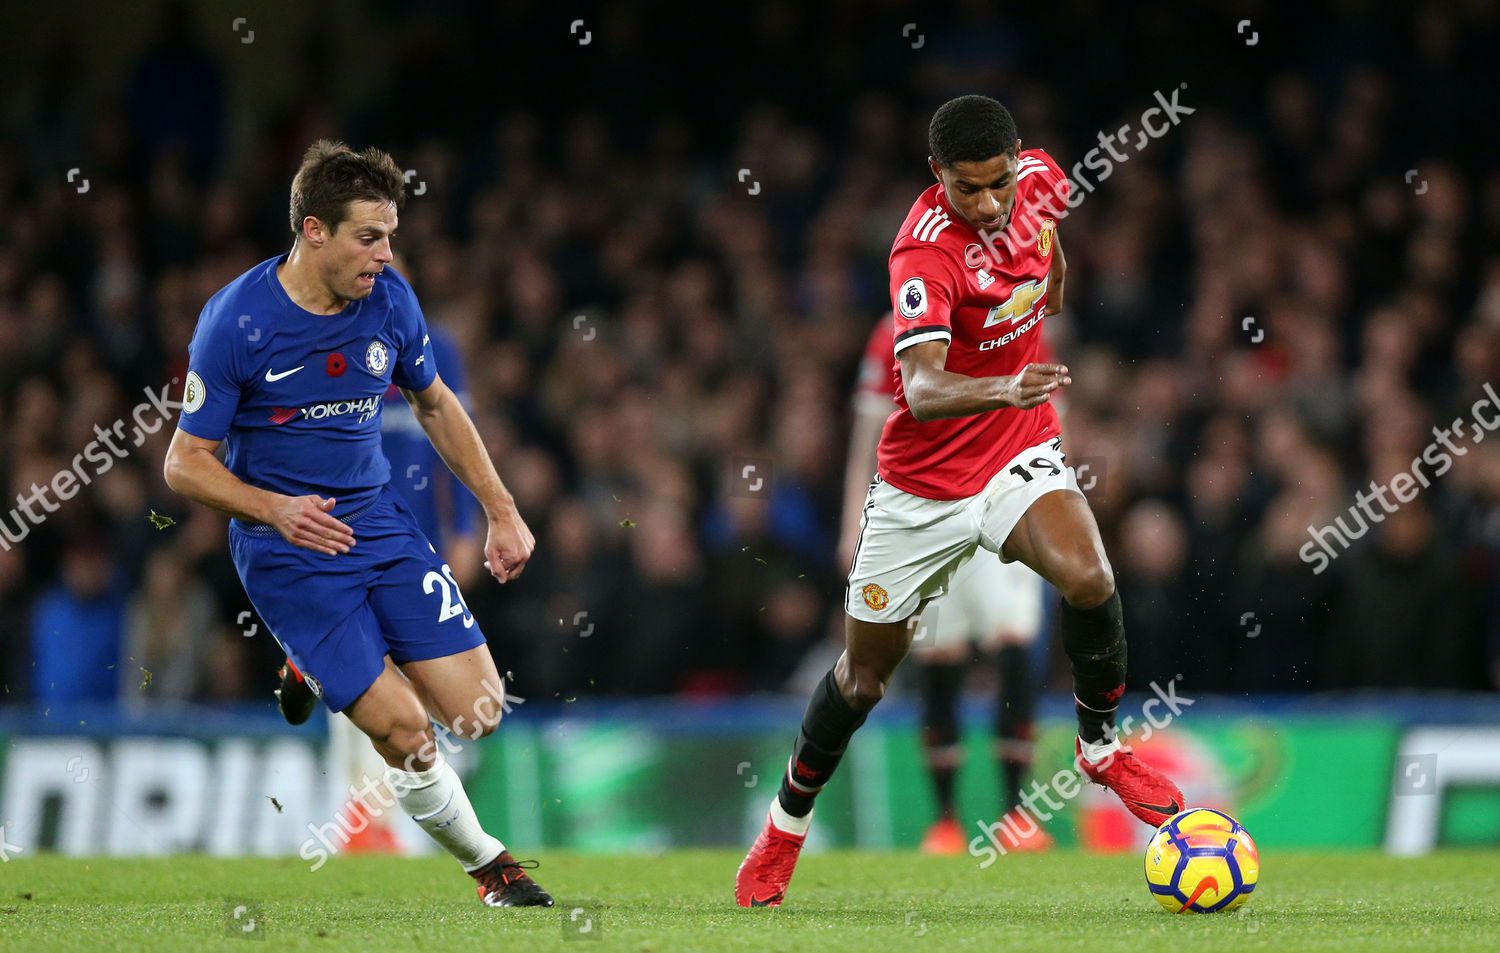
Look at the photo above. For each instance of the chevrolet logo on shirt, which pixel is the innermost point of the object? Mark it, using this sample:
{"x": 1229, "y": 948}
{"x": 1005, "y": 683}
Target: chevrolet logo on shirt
{"x": 1022, "y": 302}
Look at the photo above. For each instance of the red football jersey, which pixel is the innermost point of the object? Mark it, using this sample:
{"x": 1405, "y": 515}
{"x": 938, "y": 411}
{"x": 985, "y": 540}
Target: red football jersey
{"x": 878, "y": 370}
{"x": 986, "y": 301}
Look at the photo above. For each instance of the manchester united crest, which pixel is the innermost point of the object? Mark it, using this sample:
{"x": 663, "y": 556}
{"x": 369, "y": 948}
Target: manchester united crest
{"x": 1044, "y": 240}
{"x": 875, "y": 597}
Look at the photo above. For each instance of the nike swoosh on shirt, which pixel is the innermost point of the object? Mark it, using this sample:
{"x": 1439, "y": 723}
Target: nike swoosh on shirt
{"x": 271, "y": 378}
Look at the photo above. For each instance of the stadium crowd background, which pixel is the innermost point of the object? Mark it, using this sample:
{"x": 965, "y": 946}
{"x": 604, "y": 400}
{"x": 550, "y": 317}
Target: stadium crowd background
{"x": 640, "y": 322}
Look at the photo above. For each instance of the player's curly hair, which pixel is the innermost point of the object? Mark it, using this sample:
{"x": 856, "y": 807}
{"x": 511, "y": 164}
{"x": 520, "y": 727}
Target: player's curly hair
{"x": 970, "y": 128}
{"x": 333, "y": 175}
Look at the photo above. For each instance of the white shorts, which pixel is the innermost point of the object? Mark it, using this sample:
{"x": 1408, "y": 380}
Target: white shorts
{"x": 987, "y": 602}
{"x": 911, "y": 547}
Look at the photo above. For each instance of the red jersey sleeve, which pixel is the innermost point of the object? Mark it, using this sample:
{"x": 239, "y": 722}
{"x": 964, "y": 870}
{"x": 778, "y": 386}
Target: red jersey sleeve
{"x": 1045, "y": 196}
{"x": 923, "y": 291}
{"x": 876, "y": 387}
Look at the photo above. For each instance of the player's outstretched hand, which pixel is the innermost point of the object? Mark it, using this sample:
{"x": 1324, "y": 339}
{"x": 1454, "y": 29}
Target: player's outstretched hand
{"x": 508, "y": 546}
{"x": 304, "y": 521}
{"x": 1035, "y": 384}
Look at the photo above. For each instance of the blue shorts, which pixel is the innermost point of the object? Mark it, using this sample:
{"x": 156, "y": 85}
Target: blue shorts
{"x": 337, "y": 617}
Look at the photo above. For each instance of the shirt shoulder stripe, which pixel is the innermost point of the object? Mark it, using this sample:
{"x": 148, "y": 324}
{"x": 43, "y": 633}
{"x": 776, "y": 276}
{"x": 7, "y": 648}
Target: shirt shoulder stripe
{"x": 934, "y": 221}
{"x": 916, "y": 231}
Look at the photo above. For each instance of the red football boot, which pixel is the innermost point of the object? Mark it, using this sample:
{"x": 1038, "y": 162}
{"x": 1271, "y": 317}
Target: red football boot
{"x": 1149, "y": 794}
{"x": 944, "y": 838}
{"x": 1022, "y": 834}
{"x": 767, "y": 869}
{"x": 503, "y": 883}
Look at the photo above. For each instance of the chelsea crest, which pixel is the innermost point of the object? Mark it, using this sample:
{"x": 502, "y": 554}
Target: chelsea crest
{"x": 377, "y": 357}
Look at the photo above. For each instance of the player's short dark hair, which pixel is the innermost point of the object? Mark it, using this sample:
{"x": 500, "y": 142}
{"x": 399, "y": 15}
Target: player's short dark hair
{"x": 970, "y": 128}
{"x": 333, "y": 175}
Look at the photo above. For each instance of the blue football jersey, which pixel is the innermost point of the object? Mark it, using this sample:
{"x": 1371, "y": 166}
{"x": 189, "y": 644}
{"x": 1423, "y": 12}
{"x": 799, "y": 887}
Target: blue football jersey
{"x": 297, "y": 396}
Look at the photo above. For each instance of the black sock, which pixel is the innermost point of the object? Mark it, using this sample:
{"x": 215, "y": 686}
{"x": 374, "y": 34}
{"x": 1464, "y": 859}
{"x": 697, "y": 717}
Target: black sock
{"x": 826, "y": 729}
{"x": 1013, "y": 721}
{"x": 1013, "y": 771}
{"x": 1095, "y": 642}
{"x": 942, "y": 683}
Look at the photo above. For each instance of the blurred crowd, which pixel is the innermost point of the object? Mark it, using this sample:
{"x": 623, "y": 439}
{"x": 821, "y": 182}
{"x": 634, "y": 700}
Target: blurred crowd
{"x": 1265, "y": 311}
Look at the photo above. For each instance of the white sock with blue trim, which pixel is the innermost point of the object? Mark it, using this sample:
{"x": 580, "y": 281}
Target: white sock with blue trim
{"x": 435, "y": 799}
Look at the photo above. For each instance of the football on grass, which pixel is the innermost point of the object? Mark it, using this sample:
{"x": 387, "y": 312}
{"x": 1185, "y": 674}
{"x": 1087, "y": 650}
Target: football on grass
{"x": 1201, "y": 861}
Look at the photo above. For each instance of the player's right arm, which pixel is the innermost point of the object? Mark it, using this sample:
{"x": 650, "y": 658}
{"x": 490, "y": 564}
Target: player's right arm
{"x": 193, "y": 471}
{"x": 210, "y": 399}
{"x": 933, "y": 393}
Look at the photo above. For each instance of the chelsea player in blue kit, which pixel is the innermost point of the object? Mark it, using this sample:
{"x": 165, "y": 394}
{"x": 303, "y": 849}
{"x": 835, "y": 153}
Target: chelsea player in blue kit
{"x": 287, "y": 368}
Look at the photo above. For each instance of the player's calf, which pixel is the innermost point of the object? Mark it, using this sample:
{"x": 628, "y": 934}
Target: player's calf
{"x": 1094, "y": 639}
{"x": 395, "y": 721}
{"x": 463, "y": 691}
{"x": 837, "y": 708}
{"x": 404, "y": 739}
{"x": 839, "y": 705}
{"x": 1014, "y": 730}
{"x": 429, "y": 791}
{"x": 942, "y": 683}
{"x": 435, "y": 799}
{"x": 827, "y": 725}
{"x": 464, "y": 726}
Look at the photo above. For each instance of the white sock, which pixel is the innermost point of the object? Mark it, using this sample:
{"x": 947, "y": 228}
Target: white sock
{"x": 1095, "y": 752}
{"x": 788, "y": 823}
{"x": 435, "y": 799}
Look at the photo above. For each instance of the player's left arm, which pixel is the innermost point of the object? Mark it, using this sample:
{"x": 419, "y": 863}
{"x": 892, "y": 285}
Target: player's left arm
{"x": 1055, "y": 278}
{"x": 448, "y": 426}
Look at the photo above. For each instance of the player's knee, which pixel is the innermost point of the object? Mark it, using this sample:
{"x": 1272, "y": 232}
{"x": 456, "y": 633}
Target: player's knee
{"x": 476, "y": 728}
{"x": 867, "y": 690}
{"x": 1090, "y": 585}
{"x": 409, "y": 740}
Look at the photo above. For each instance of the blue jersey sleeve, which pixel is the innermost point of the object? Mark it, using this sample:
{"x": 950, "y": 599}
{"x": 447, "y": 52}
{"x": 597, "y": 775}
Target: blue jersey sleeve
{"x": 211, "y": 394}
{"x": 416, "y": 367}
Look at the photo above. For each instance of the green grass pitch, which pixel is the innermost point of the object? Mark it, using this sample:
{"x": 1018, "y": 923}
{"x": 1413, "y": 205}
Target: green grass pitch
{"x": 847, "y": 902}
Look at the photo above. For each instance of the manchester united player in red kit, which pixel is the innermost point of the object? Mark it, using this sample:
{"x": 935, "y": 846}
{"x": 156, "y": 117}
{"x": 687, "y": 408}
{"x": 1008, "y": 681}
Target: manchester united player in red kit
{"x": 970, "y": 460}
